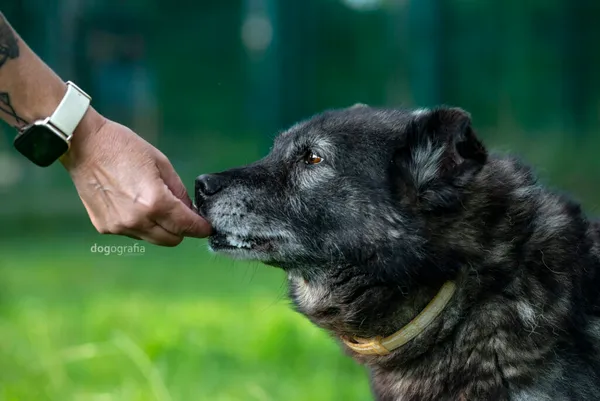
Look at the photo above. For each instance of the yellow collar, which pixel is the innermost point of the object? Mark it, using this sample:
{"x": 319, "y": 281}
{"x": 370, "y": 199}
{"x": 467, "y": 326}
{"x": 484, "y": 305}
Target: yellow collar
{"x": 383, "y": 346}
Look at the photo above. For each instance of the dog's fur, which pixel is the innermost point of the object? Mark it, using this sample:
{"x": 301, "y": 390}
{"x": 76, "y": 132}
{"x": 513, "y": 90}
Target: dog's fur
{"x": 402, "y": 201}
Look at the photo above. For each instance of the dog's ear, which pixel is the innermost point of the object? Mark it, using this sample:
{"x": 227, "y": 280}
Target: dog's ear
{"x": 439, "y": 154}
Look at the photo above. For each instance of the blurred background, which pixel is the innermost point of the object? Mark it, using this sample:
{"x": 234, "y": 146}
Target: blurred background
{"x": 210, "y": 84}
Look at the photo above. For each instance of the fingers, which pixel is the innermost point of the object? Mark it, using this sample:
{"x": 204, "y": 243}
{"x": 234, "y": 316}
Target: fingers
{"x": 164, "y": 221}
{"x": 143, "y": 229}
{"x": 151, "y": 204}
{"x": 153, "y": 234}
{"x": 181, "y": 220}
{"x": 157, "y": 235}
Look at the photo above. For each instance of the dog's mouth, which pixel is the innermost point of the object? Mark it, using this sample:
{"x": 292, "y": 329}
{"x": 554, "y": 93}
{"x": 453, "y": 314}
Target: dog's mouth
{"x": 233, "y": 243}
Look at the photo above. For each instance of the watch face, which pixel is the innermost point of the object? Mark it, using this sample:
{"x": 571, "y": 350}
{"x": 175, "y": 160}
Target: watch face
{"x": 41, "y": 145}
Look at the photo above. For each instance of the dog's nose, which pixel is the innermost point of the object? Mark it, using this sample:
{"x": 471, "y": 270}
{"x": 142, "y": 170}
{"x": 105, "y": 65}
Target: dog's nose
{"x": 208, "y": 184}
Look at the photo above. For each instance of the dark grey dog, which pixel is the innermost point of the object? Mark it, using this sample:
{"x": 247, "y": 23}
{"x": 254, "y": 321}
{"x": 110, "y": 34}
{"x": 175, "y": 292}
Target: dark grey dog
{"x": 374, "y": 213}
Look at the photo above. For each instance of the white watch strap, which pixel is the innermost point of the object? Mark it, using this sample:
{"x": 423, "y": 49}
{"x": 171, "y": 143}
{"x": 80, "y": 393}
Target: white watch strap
{"x": 70, "y": 110}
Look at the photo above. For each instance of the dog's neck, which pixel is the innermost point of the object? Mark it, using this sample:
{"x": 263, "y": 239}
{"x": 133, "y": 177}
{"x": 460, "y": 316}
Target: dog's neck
{"x": 356, "y": 307}
{"x": 380, "y": 345}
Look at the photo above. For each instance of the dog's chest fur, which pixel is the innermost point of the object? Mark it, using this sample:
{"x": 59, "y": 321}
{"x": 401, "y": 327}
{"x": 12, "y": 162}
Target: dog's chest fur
{"x": 527, "y": 361}
{"x": 501, "y": 367}
{"x": 524, "y": 324}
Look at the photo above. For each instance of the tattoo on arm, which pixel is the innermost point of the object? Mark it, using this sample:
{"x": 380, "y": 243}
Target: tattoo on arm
{"x": 6, "y": 107}
{"x": 9, "y": 47}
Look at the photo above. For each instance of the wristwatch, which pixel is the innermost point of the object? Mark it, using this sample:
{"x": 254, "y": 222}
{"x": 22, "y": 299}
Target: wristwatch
{"x": 44, "y": 141}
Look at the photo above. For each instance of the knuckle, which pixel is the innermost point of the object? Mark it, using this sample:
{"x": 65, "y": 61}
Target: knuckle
{"x": 109, "y": 227}
{"x": 157, "y": 207}
{"x": 103, "y": 230}
{"x": 189, "y": 227}
{"x": 179, "y": 225}
{"x": 174, "y": 241}
{"x": 162, "y": 160}
{"x": 115, "y": 228}
{"x": 130, "y": 222}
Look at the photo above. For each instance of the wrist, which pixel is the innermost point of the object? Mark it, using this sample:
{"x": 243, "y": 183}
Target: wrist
{"x": 39, "y": 104}
{"x": 91, "y": 123}
{"x": 47, "y": 139}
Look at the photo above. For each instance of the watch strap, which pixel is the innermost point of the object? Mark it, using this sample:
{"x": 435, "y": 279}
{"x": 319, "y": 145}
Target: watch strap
{"x": 70, "y": 110}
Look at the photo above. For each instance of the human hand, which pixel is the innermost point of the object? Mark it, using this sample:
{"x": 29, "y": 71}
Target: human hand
{"x": 127, "y": 186}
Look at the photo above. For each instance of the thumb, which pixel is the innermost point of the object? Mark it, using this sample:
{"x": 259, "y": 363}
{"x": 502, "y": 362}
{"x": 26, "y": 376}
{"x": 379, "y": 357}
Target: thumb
{"x": 179, "y": 219}
{"x": 173, "y": 182}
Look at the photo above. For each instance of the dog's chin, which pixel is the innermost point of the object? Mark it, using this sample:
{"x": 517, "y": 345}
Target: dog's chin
{"x": 243, "y": 247}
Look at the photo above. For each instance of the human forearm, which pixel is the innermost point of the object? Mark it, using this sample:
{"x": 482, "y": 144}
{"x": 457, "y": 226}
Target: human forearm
{"x": 29, "y": 89}
{"x": 127, "y": 186}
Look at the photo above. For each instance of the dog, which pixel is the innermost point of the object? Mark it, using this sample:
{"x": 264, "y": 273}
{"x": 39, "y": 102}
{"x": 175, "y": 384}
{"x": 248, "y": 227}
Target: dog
{"x": 446, "y": 270}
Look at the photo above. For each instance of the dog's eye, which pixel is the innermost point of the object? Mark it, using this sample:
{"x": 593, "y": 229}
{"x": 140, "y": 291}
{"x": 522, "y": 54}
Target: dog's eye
{"x": 312, "y": 158}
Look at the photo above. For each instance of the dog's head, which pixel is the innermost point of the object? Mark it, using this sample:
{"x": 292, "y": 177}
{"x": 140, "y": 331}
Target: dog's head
{"x": 346, "y": 203}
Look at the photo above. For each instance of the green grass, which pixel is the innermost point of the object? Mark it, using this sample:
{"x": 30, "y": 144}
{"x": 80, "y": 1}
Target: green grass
{"x": 166, "y": 325}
